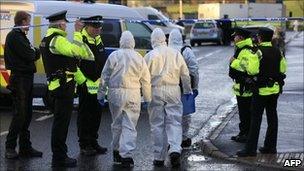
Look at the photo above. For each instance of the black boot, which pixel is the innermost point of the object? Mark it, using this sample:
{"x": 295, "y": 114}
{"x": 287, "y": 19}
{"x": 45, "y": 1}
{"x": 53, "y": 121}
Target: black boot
{"x": 127, "y": 162}
{"x": 11, "y": 153}
{"x": 66, "y": 162}
{"x": 186, "y": 143}
{"x": 88, "y": 151}
{"x": 265, "y": 150}
{"x": 116, "y": 157}
{"x": 175, "y": 159}
{"x": 99, "y": 149}
{"x": 246, "y": 153}
{"x": 31, "y": 152}
{"x": 158, "y": 163}
{"x": 239, "y": 138}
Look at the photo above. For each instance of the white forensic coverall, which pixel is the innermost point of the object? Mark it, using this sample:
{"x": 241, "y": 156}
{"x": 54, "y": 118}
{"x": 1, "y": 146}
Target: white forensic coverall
{"x": 126, "y": 75}
{"x": 176, "y": 42}
{"x": 167, "y": 68}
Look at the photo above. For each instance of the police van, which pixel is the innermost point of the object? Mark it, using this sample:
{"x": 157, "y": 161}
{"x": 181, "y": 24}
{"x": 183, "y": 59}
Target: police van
{"x": 117, "y": 18}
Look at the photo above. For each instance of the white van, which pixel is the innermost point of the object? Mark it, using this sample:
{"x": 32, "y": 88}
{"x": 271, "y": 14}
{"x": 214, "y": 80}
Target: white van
{"x": 165, "y": 24}
{"x": 115, "y": 22}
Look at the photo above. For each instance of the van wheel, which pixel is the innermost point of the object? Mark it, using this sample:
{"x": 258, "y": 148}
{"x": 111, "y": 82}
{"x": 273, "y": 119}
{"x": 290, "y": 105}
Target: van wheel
{"x": 220, "y": 42}
{"x": 192, "y": 43}
{"x": 49, "y": 101}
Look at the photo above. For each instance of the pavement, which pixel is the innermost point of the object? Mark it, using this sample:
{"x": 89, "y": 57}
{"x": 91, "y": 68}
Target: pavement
{"x": 291, "y": 121}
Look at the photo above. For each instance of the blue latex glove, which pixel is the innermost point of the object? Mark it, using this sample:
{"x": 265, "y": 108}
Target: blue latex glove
{"x": 187, "y": 96}
{"x": 195, "y": 92}
{"x": 101, "y": 102}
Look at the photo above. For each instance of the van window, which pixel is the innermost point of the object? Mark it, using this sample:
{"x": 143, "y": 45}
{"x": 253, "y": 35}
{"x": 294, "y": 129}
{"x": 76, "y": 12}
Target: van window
{"x": 204, "y": 25}
{"x": 141, "y": 35}
{"x": 153, "y": 17}
{"x": 111, "y": 32}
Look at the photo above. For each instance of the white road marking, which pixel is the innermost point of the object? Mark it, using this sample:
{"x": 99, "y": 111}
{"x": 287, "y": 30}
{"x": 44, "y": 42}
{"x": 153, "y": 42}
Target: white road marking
{"x": 209, "y": 54}
{"x": 45, "y": 117}
{"x": 3, "y": 133}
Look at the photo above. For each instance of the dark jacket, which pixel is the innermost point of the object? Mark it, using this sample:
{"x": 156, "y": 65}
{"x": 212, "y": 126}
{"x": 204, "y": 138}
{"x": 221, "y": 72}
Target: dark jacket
{"x": 19, "y": 54}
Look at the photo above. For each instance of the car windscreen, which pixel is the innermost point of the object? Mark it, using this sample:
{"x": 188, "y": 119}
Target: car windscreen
{"x": 204, "y": 25}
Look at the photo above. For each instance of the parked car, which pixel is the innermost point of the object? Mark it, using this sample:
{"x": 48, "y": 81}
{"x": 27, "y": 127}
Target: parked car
{"x": 206, "y": 31}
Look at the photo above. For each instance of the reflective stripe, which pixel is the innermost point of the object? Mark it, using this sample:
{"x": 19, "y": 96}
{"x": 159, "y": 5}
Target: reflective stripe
{"x": 92, "y": 86}
{"x": 236, "y": 90}
{"x": 266, "y": 44}
{"x": 77, "y": 43}
{"x": 265, "y": 91}
{"x": 52, "y": 46}
{"x": 79, "y": 77}
{"x": 89, "y": 52}
{"x": 54, "y": 84}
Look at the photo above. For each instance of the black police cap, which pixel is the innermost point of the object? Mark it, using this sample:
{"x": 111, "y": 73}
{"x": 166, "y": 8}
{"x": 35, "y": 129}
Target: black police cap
{"x": 58, "y": 16}
{"x": 94, "y": 21}
{"x": 242, "y": 32}
{"x": 265, "y": 33}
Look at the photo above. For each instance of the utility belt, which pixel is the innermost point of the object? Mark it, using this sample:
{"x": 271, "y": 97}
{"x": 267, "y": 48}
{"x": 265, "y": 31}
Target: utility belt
{"x": 270, "y": 81}
{"x": 62, "y": 76}
{"x": 247, "y": 84}
{"x": 266, "y": 82}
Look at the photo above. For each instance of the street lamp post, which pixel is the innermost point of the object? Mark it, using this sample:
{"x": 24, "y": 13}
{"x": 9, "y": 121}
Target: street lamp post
{"x": 180, "y": 9}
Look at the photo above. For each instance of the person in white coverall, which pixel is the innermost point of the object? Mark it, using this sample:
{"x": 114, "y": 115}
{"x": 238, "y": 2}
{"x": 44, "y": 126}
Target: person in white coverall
{"x": 176, "y": 42}
{"x": 167, "y": 68}
{"x": 126, "y": 75}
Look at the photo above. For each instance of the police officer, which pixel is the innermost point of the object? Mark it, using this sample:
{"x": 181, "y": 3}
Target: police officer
{"x": 87, "y": 78}
{"x": 243, "y": 65}
{"x": 59, "y": 59}
{"x": 19, "y": 56}
{"x": 270, "y": 80}
{"x": 226, "y": 28}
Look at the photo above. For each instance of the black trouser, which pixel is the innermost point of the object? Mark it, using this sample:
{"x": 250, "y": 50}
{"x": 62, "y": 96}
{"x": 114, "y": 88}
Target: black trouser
{"x": 259, "y": 103}
{"x": 22, "y": 89}
{"x": 89, "y": 117}
{"x": 244, "y": 104}
{"x": 64, "y": 96}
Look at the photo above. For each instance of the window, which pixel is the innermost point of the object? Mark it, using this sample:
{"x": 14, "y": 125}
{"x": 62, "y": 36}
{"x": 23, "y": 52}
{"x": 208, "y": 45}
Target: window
{"x": 204, "y": 25}
{"x": 141, "y": 35}
{"x": 111, "y": 32}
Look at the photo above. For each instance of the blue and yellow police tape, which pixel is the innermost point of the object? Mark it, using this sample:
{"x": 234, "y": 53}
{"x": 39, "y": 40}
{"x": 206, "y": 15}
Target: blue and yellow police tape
{"x": 188, "y": 21}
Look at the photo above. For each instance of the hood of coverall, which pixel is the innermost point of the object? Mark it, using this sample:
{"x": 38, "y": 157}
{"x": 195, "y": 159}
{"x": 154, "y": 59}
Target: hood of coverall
{"x": 175, "y": 39}
{"x": 158, "y": 38}
{"x": 127, "y": 40}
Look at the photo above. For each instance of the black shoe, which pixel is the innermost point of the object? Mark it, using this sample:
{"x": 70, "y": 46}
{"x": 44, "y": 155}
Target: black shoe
{"x": 265, "y": 150}
{"x": 88, "y": 151}
{"x": 99, "y": 149}
{"x": 31, "y": 152}
{"x": 245, "y": 153}
{"x": 158, "y": 163}
{"x": 66, "y": 162}
{"x": 175, "y": 159}
{"x": 234, "y": 137}
{"x": 127, "y": 162}
{"x": 239, "y": 138}
{"x": 11, "y": 153}
{"x": 186, "y": 143}
{"x": 116, "y": 157}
